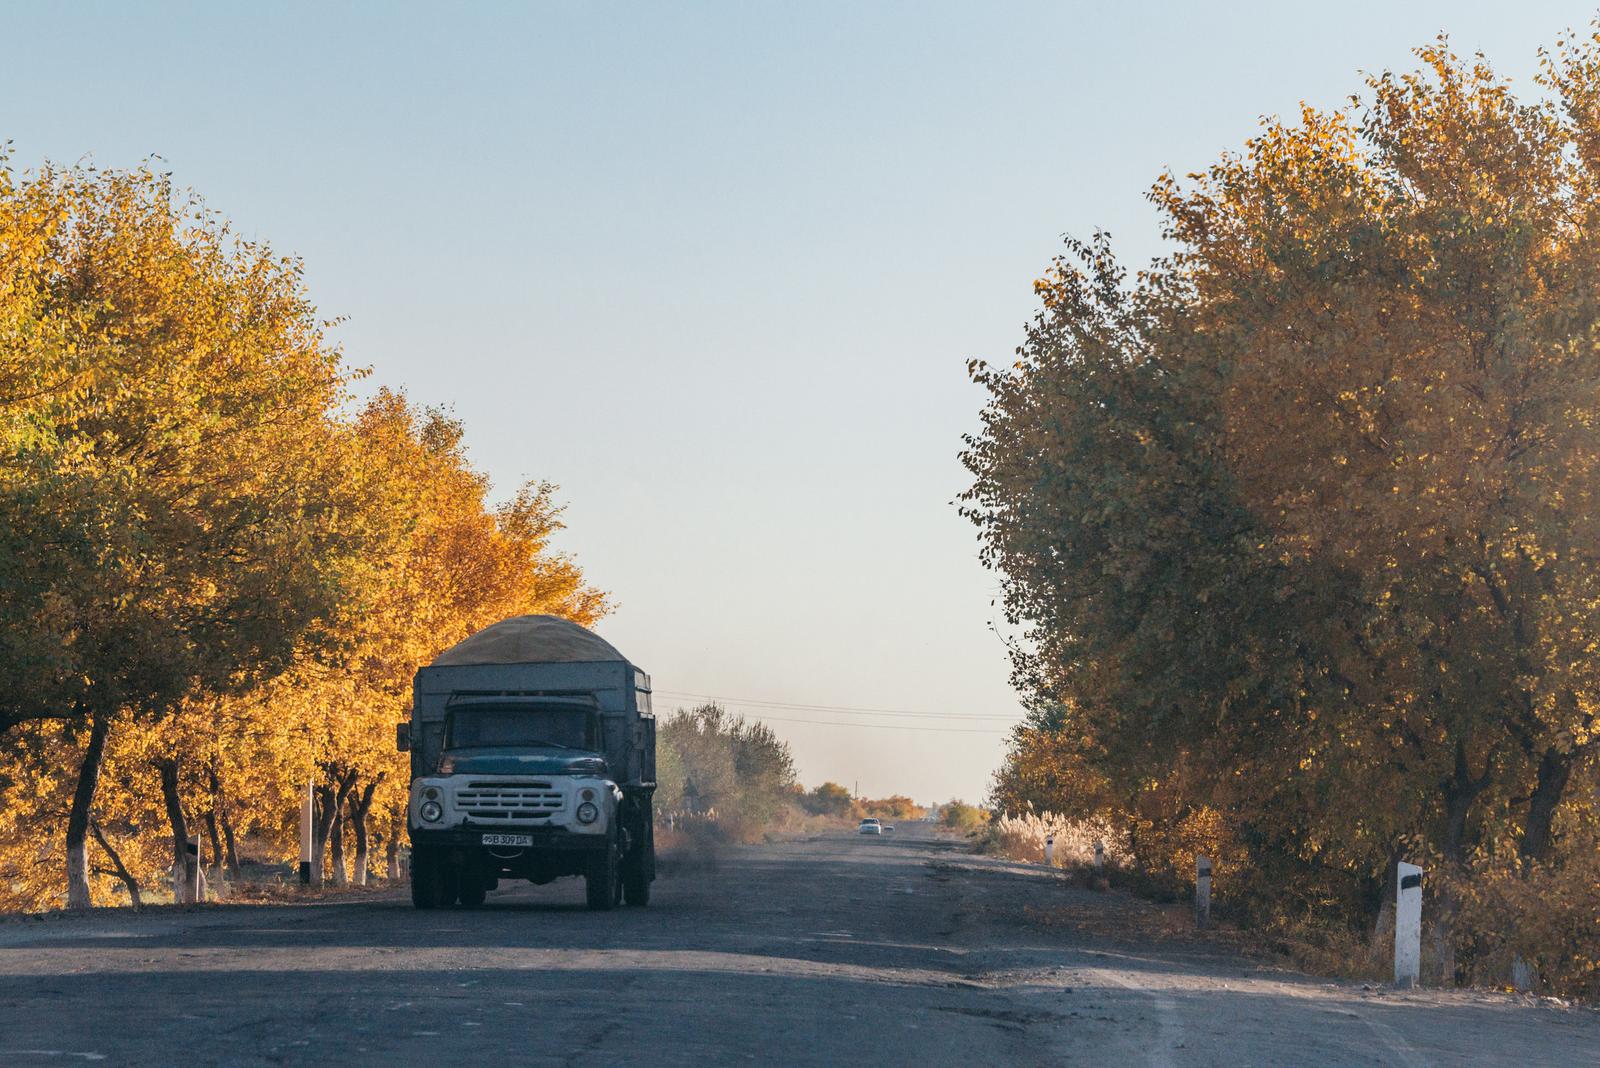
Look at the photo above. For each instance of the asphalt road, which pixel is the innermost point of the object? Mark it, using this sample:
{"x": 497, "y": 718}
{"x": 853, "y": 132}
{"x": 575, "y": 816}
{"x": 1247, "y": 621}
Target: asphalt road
{"x": 836, "y": 950}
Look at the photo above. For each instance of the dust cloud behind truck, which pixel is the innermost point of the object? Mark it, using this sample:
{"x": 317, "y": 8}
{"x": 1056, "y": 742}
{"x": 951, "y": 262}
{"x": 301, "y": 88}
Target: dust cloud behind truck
{"x": 533, "y": 756}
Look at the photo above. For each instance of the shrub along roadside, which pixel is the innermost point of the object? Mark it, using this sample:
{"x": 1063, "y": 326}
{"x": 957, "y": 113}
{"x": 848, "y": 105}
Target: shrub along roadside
{"x": 722, "y": 772}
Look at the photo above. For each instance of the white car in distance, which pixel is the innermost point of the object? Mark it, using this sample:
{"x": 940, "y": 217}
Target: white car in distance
{"x": 870, "y": 826}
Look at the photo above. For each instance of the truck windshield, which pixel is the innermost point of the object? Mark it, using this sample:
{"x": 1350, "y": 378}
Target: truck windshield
{"x": 562, "y": 727}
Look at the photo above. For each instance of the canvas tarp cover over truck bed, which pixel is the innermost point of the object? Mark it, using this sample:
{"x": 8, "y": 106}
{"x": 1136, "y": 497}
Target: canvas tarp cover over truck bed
{"x": 540, "y": 655}
{"x": 529, "y": 640}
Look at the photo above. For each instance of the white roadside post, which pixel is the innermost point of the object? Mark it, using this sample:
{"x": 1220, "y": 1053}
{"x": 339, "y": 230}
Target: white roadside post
{"x": 1050, "y": 851}
{"x": 1099, "y": 855}
{"x": 305, "y": 835}
{"x": 1202, "y": 891}
{"x": 1407, "y": 925}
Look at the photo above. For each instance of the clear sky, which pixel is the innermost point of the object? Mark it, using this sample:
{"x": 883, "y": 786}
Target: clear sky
{"x": 716, "y": 270}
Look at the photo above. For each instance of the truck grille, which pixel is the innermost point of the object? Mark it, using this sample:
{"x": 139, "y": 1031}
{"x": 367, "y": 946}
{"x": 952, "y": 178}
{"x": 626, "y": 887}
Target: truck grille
{"x": 509, "y": 800}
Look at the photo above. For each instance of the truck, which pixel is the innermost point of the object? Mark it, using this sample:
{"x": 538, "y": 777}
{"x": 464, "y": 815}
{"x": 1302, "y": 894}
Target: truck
{"x": 533, "y": 756}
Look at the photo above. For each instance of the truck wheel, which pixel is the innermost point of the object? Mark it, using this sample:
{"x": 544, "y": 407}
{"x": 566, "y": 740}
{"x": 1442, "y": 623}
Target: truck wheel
{"x": 449, "y": 882}
{"x": 425, "y": 888}
{"x": 636, "y": 882}
{"x": 602, "y": 882}
{"x": 473, "y": 892}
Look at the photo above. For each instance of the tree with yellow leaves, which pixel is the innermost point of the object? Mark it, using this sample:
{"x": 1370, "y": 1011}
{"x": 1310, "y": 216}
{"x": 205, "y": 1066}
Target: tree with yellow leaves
{"x": 173, "y": 490}
{"x": 1302, "y": 517}
{"x": 217, "y": 583}
{"x": 459, "y": 565}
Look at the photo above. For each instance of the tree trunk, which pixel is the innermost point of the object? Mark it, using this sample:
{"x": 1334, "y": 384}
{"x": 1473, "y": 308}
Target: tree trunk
{"x": 216, "y": 843}
{"x": 362, "y": 850}
{"x": 320, "y": 829}
{"x": 118, "y": 867}
{"x": 1555, "y": 770}
{"x": 228, "y": 842}
{"x": 391, "y": 856}
{"x": 219, "y": 816}
{"x": 360, "y": 806}
{"x": 1461, "y": 790}
{"x": 330, "y": 798}
{"x": 1383, "y": 927}
{"x": 183, "y": 866}
{"x": 78, "y": 817}
{"x": 336, "y": 853}
{"x": 396, "y": 825}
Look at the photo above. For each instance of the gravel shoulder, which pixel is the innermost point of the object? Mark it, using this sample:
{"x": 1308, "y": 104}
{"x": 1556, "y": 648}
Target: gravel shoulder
{"x": 834, "y": 950}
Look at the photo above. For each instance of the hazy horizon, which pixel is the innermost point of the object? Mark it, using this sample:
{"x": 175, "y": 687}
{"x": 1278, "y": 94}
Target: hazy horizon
{"x": 717, "y": 273}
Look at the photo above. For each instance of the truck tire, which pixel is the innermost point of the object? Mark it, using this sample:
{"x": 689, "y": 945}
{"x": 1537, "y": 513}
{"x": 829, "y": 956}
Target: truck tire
{"x": 636, "y": 881}
{"x": 425, "y": 887}
{"x": 639, "y": 868}
{"x": 449, "y": 882}
{"x": 603, "y": 880}
{"x": 473, "y": 892}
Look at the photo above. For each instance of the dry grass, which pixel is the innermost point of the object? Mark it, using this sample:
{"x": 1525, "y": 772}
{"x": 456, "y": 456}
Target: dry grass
{"x": 1023, "y": 838}
{"x": 1320, "y": 950}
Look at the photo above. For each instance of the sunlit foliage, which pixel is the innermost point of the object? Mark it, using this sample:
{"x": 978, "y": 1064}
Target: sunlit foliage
{"x": 1300, "y": 522}
{"x": 216, "y": 580}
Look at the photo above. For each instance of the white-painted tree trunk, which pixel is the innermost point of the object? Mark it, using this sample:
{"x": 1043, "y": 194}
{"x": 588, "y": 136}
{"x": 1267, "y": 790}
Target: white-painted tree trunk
{"x": 1523, "y": 975}
{"x": 197, "y": 873}
{"x": 77, "y": 876}
{"x": 341, "y": 878}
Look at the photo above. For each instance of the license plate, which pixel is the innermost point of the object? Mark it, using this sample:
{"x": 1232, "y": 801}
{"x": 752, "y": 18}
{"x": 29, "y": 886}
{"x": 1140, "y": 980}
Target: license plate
{"x": 508, "y": 839}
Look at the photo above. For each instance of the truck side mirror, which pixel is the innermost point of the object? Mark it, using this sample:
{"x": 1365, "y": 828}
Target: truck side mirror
{"x": 402, "y": 737}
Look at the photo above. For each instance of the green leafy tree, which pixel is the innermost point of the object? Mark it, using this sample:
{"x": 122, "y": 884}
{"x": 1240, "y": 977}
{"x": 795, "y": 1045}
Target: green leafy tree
{"x": 829, "y": 799}
{"x": 739, "y": 770}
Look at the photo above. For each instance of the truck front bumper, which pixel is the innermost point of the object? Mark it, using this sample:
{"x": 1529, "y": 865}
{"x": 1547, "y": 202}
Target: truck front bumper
{"x": 544, "y": 838}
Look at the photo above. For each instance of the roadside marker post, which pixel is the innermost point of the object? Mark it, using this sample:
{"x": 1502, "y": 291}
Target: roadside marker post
{"x": 1407, "y": 925}
{"x": 1099, "y": 855}
{"x": 1050, "y": 851}
{"x": 305, "y": 836}
{"x": 1202, "y": 891}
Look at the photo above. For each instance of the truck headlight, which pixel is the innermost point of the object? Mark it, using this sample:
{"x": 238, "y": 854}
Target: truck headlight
{"x": 430, "y": 812}
{"x": 587, "y": 813}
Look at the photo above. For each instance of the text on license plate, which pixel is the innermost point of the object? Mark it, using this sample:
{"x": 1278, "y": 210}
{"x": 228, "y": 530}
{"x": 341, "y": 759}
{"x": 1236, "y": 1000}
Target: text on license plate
{"x": 508, "y": 839}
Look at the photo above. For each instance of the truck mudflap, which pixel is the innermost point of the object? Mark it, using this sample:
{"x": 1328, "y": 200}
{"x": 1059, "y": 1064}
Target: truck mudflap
{"x": 541, "y": 839}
